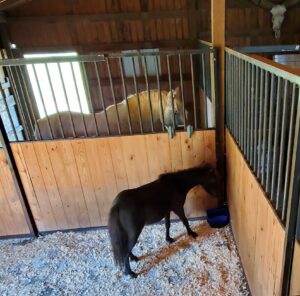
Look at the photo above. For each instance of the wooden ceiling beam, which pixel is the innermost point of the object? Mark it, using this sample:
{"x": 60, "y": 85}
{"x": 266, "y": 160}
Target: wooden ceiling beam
{"x": 93, "y": 48}
{"x": 105, "y": 17}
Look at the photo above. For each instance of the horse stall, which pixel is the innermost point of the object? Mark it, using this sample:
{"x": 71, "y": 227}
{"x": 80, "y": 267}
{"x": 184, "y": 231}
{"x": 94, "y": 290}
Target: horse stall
{"x": 262, "y": 148}
{"x": 79, "y": 127}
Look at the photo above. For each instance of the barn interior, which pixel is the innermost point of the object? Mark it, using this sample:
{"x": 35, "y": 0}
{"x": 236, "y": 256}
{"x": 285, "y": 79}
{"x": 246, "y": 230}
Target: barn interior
{"x": 86, "y": 113}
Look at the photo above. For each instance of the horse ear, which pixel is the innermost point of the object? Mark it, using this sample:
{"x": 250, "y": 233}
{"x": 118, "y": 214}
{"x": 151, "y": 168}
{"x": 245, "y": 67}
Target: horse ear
{"x": 177, "y": 92}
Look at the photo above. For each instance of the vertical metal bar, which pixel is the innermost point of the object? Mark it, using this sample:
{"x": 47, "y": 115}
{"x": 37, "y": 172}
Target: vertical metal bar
{"x": 264, "y": 140}
{"x": 240, "y": 101}
{"x": 170, "y": 86}
{"x": 113, "y": 94}
{"x": 125, "y": 95}
{"x": 137, "y": 94}
{"x": 204, "y": 89}
{"x": 289, "y": 154}
{"x": 193, "y": 91}
{"x": 101, "y": 97}
{"x": 159, "y": 93}
{"x": 257, "y": 96}
{"x": 29, "y": 100}
{"x": 293, "y": 207}
{"x": 87, "y": 91}
{"x": 259, "y": 150}
{"x": 226, "y": 88}
{"x": 276, "y": 141}
{"x": 54, "y": 99}
{"x": 66, "y": 96}
{"x": 279, "y": 200}
{"x": 78, "y": 97}
{"x": 17, "y": 98}
{"x": 245, "y": 108}
{"x": 248, "y": 114}
{"x": 17, "y": 180}
{"x": 148, "y": 93}
{"x": 182, "y": 89}
{"x": 42, "y": 100}
{"x": 234, "y": 96}
{"x": 252, "y": 115}
{"x": 270, "y": 137}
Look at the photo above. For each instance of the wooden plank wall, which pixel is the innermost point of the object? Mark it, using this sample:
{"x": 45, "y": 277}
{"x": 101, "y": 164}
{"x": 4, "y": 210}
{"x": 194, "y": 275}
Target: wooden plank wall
{"x": 71, "y": 183}
{"x": 295, "y": 283}
{"x": 12, "y": 219}
{"x": 257, "y": 231}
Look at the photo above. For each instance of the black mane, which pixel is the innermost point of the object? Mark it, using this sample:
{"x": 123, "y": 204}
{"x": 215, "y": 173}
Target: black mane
{"x": 173, "y": 176}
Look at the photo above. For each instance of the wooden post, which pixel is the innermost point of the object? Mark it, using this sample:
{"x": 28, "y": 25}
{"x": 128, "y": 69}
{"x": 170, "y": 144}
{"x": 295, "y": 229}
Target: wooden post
{"x": 218, "y": 41}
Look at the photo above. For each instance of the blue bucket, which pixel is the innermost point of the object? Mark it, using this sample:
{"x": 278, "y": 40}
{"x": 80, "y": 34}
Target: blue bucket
{"x": 218, "y": 217}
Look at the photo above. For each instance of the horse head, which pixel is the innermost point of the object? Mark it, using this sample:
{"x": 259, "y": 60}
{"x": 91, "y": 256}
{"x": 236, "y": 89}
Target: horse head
{"x": 174, "y": 102}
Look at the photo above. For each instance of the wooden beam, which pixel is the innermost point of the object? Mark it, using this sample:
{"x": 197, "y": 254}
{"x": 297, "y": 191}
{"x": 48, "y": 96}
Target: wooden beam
{"x": 104, "y": 17}
{"x": 96, "y": 48}
{"x": 218, "y": 41}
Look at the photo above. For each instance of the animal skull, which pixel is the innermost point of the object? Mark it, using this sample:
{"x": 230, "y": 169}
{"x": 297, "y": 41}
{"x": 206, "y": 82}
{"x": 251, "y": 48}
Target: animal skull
{"x": 277, "y": 9}
{"x": 277, "y": 12}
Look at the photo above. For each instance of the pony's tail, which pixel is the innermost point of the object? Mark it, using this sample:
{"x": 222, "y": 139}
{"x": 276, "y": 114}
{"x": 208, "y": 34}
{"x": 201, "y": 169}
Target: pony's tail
{"x": 118, "y": 236}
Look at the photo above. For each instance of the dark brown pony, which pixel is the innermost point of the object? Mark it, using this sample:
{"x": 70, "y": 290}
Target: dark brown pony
{"x": 134, "y": 208}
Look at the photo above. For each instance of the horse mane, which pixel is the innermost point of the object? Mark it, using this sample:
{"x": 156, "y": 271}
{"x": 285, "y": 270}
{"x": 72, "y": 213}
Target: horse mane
{"x": 174, "y": 176}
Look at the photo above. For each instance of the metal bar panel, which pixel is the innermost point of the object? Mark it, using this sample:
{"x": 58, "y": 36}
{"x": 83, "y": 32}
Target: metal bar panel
{"x": 22, "y": 82}
{"x": 42, "y": 100}
{"x": 54, "y": 99}
{"x": 252, "y": 114}
{"x": 113, "y": 94}
{"x": 245, "y": 105}
{"x": 255, "y": 117}
{"x": 89, "y": 99}
{"x": 170, "y": 86}
{"x": 78, "y": 97}
{"x": 279, "y": 72}
{"x": 137, "y": 94}
{"x": 204, "y": 90}
{"x": 148, "y": 92}
{"x": 17, "y": 98}
{"x": 101, "y": 96}
{"x": 66, "y": 96}
{"x": 270, "y": 137}
{"x": 125, "y": 95}
{"x": 182, "y": 90}
{"x": 264, "y": 140}
{"x": 289, "y": 153}
{"x": 159, "y": 93}
{"x": 193, "y": 91}
{"x": 282, "y": 152}
{"x": 276, "y": 141}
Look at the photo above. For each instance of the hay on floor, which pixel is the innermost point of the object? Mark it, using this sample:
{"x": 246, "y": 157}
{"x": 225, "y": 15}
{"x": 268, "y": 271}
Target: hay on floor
{"x": 81, "y": 264}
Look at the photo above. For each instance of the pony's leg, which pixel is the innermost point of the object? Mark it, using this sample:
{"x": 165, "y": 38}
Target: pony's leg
{"x": 128, "y": 270}
{"x": 133, "y": 257}
{"x": 180, "y": 213}
{"x": 167, "y": 222}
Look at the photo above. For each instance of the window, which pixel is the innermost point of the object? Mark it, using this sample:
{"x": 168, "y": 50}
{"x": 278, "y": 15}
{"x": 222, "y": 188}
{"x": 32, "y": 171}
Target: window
{"x": 41, "y": 85}
{"x": 139, "y": 63}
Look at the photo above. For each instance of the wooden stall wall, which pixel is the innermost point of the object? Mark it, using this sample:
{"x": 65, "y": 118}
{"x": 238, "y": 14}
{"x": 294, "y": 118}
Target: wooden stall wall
{"x": 12, "y": 219}
{"x": 71, "y": 183}
{"x": 258, "y": 232}
{"x": 295, "y": 283}
{"x": 248, "y": 25}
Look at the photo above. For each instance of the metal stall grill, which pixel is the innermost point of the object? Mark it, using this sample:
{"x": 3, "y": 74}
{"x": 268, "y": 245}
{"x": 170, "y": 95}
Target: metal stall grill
{"x": 262, "y": 114}
{"x": 114, "y": 94}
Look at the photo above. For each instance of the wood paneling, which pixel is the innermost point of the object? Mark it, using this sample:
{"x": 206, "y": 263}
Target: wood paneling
{"x": 50, "y": 24}
{"x": 71, "y": 183}
{"x": 12, "y": 219}
{"x": 257, "y": 230}
{"x": 295, "y": 283}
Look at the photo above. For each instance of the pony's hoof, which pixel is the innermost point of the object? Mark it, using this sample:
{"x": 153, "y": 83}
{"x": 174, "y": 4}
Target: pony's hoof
{"x": 170, "y": 240}
{"x": 131, "y": 274}
{"x": 193, "y": 234}
{"x": 134, "y": 258}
